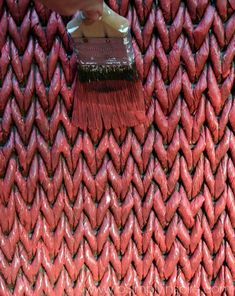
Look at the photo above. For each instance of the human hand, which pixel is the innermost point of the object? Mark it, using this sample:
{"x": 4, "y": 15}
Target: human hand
{"x": 92, "y": 9}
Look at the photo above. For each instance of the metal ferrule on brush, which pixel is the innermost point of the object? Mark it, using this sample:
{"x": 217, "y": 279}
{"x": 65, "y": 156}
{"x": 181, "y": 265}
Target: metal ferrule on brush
{"x": 102, "y": 58}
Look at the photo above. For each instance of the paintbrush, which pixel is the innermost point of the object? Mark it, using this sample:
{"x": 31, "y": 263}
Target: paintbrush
{"x": 108, "y": 92}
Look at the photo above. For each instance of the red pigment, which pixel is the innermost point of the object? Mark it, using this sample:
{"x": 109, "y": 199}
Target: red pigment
{"x": 108, "y": 104}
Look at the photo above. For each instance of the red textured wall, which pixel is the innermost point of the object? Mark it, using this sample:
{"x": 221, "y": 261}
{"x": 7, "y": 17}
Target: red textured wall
{"x": 145, "y": 211}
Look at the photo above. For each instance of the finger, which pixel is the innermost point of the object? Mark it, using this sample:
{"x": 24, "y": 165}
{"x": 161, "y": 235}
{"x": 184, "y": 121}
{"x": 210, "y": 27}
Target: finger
{"x": 92, "y": 16}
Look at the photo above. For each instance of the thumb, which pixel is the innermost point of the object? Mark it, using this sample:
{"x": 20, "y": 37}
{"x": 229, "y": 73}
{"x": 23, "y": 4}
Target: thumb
{"x": 92, "y": 15}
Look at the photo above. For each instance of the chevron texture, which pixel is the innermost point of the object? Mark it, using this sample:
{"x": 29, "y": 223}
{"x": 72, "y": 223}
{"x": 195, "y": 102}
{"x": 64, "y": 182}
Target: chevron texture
{"x": 148, "y": 210}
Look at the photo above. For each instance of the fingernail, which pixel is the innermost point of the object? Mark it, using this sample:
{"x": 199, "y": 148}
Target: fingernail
{"x": 96, "y": 16}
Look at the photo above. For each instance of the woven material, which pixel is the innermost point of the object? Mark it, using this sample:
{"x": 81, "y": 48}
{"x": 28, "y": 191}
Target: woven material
{"x": 145, "y": 211}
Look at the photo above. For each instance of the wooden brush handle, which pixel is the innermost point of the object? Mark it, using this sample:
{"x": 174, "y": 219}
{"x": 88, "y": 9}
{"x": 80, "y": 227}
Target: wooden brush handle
{"x": 110, "y": 24}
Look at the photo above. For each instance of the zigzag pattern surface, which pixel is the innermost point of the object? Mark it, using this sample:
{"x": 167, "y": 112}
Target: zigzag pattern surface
{"x": 148, "y": 210}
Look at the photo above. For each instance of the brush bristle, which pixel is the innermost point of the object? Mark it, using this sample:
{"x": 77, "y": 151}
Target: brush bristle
{"x": 109, "y": 93}
{"x": 108, "y": 104}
